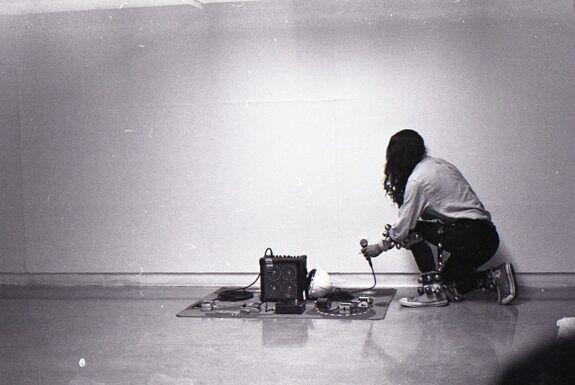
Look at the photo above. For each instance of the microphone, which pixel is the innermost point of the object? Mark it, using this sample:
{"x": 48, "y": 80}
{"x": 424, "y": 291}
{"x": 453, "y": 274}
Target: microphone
{"x": 363, "y": 243}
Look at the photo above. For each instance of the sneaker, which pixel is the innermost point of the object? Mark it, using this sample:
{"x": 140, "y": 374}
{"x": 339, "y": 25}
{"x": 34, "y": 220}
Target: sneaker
{"x": 425, "y": 300}
{"x": 504, "y": 277}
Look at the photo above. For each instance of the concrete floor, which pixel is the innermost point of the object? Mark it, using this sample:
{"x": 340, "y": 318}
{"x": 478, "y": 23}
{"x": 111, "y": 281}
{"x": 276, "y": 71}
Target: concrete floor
{"x": 89, "y": 336}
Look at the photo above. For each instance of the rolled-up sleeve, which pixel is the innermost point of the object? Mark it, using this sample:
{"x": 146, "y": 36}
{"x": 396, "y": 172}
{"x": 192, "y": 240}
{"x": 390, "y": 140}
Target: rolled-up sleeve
{"x": 414, "y": 202}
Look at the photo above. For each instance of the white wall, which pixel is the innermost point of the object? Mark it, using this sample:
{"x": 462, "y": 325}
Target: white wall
{"x": 183, "y": 140}
{"x": 12, "y": 258}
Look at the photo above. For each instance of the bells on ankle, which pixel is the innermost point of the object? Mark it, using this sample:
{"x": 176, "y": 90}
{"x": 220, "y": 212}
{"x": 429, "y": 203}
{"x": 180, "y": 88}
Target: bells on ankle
{"x": 429, "y": 278}
{"x": 489, "y": 284}
{"x": 431, "y": 283}
{"x": 430, "y": 289}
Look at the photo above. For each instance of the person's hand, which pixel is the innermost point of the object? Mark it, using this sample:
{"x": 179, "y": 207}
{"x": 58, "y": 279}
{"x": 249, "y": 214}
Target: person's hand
{"x": 372, "y": 251}
{"x": 387, "y": 244}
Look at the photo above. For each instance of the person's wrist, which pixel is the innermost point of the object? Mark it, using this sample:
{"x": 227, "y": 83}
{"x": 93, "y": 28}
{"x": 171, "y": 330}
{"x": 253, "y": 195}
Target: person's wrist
{"x": 385, "y": 244}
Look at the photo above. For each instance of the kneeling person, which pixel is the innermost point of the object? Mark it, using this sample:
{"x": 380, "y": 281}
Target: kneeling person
{"x": 436, "y": 202}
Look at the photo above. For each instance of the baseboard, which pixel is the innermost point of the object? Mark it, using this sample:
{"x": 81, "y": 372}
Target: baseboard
{"x": 244, "y": 279}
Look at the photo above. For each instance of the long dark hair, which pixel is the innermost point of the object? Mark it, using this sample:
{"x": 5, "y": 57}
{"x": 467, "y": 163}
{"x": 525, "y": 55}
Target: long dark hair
{"x": 404, "y": 151}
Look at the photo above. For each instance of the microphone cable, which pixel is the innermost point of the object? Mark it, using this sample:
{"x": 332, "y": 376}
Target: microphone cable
{"x": 374, "y": 280}
{"x": 364, "y": 243}
{"x": 235, "y": 295}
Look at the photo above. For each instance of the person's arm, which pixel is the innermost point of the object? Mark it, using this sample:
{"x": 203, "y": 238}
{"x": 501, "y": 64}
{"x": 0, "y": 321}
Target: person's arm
{"x": 413, "y": 205}
{"x": 414, "y": 202}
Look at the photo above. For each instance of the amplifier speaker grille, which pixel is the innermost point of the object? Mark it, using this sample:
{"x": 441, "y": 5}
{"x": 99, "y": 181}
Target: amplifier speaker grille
{"x": 283, "y": 278}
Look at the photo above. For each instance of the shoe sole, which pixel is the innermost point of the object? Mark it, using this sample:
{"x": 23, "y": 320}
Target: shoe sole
{"x": 512, "y": 286}
{"x": 423, "y": 304}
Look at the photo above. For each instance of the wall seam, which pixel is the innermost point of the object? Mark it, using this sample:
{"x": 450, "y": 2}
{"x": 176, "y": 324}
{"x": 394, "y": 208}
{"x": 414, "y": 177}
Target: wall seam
{"x": 20, "y": 150}
{"x": 356, "y": 280}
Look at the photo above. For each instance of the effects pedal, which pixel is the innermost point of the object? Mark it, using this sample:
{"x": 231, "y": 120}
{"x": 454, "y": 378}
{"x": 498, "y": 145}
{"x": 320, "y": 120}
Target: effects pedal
{"x": 290, "y": 307}
{"x": 323, "y": 304}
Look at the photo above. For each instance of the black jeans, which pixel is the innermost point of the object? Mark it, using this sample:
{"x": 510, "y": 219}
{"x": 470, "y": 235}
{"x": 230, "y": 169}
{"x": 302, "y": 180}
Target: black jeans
{"x": 470, "y": 244}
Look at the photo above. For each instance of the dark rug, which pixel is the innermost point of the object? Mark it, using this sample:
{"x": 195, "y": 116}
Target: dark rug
{"x": 253, "y": 308}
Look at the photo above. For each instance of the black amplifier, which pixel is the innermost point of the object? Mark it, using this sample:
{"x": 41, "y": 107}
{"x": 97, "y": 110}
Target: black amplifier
{"x": 283, "y": 278}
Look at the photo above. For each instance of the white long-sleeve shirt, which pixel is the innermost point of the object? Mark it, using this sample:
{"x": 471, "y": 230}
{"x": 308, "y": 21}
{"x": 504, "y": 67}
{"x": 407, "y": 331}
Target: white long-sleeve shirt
{"x": 436, "y": 189}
